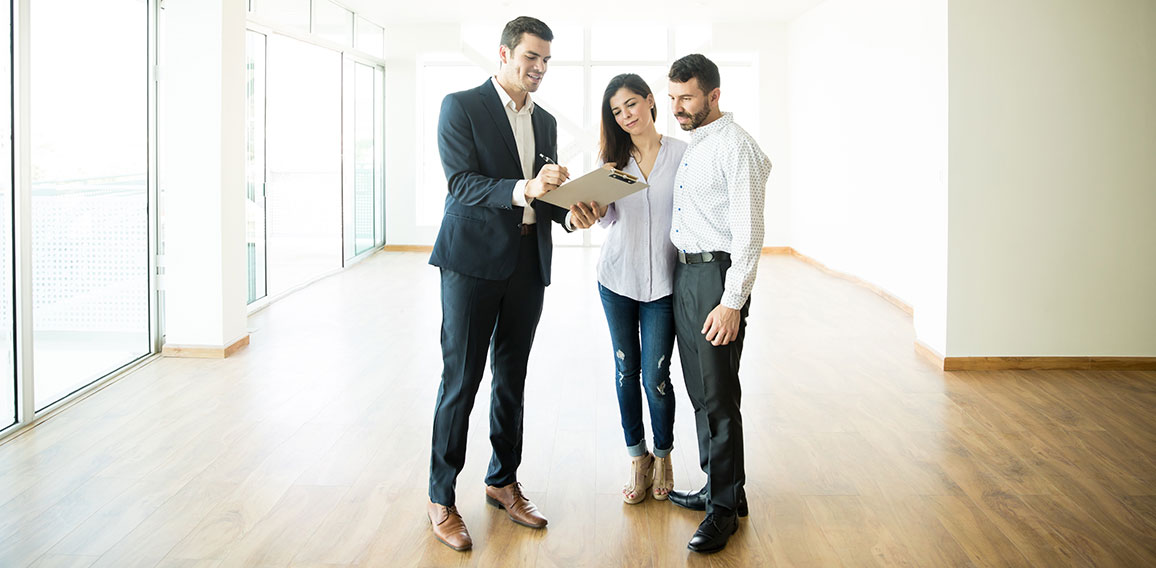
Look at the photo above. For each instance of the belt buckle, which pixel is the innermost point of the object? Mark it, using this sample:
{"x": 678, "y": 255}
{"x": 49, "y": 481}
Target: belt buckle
{"x": 707, "y": 257}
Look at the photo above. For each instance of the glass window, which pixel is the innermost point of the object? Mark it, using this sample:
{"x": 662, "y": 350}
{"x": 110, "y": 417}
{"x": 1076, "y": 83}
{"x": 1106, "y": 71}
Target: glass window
{"x": 437, "y": 82}
{"x": 628, "y": 42}
{"x": 89, "y": 154}
{"x": 361, "y": 174}
{"x": 562, "y": 95}
{"x": 370, "y": 37}
{"x": 291, "y": 15}
{"x": 7, "y": 275}
{"x": 332, "y": 22}
{"x": 364, "y": 165}
{"x": 569, "y": 42}
{"x": 379, "y": 155}
{"x": 303, "y": 162}
{"x": 691, "y": 38}
{"x": 255, "y": 164}
{"x": 483, "y": 40}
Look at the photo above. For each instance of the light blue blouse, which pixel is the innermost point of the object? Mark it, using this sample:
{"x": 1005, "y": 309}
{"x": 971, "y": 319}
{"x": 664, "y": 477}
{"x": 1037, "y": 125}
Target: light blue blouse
{"x": 637, "y": 258}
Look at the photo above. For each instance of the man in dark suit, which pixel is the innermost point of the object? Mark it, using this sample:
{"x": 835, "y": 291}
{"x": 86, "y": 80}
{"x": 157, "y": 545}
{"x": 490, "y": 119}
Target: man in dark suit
{"x": 494, "y": 252}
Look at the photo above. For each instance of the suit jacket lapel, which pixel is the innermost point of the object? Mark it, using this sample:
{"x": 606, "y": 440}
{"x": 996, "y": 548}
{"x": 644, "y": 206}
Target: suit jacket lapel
{"x": 543, "y": 145}
{"x": 493, "y": 103}
{"x": 541, "y": 141}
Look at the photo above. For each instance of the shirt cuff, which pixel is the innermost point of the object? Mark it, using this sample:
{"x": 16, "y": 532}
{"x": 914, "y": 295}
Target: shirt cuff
{"x": 732, "y": 300}
{"x": 610, "y": 217}
{"x": 520, "y": 193}
{"x": 569, "y": 226}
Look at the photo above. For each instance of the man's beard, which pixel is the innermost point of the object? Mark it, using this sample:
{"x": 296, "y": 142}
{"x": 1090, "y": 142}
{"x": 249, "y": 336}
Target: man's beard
{"x": 696, "y": 119}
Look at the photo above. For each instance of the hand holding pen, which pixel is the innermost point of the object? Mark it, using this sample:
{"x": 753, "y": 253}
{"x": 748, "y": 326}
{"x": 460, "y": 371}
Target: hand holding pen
{"x": 548, "y": 179}
{"x": 582, "y": 215}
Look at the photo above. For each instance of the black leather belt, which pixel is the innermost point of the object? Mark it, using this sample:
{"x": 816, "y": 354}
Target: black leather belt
{"x": 528, "y": 229}
{"x": 701, "y": 257}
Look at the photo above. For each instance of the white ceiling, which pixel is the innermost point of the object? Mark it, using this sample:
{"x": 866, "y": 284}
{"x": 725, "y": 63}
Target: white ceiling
{"x": 392, "y": 12}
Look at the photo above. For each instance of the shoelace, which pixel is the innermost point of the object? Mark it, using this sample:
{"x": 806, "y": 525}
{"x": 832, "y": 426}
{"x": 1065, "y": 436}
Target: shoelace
{"x": 518, "y": 491}
{"x": 713, "y": 519}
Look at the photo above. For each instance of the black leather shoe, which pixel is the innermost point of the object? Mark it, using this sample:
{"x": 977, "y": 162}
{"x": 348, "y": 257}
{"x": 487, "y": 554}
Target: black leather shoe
{"x": 713, "y": 532}
{"x": 697, "y": 501}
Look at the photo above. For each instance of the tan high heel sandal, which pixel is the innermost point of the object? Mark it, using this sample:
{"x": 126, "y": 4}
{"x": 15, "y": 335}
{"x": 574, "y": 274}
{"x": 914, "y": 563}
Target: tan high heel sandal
{"x": 663, "y": 478}
{"x": 641, "y": 476}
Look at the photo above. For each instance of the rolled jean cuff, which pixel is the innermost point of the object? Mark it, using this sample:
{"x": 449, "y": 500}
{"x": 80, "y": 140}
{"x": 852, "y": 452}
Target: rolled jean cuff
{"x": 662, "y": 453}
{"x": 638, "y": 450}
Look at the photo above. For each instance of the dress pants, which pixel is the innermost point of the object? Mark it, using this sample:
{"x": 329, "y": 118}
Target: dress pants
{"x": 712, "y": 380}
{"x": 479, "y": 315}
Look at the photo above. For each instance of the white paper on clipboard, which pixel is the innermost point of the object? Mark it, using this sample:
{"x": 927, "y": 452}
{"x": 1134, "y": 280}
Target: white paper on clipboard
{"x": 602, "y": 186}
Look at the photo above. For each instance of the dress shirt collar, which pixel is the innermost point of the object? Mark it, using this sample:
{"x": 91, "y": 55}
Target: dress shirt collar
{"x": 718, "y": 124}
{"x": 509, "y": 102}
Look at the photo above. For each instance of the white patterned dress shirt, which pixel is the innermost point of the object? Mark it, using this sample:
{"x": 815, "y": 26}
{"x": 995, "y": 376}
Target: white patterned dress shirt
{"x": 718, "y": 202}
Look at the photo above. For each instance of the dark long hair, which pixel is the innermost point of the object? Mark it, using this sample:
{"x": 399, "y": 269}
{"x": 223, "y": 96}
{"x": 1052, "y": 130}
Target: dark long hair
{"x": 616, "y": 144}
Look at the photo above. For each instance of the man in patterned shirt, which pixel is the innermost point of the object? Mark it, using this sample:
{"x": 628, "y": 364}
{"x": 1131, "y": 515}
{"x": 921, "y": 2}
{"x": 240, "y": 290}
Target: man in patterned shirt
{"x": 718, "y": 230}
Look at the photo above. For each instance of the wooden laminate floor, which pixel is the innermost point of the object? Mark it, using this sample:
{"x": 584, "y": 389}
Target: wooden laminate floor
{"x": 311, "y": 446}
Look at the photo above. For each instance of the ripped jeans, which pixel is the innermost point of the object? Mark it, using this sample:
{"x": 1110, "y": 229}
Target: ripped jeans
{"x": 642, "y": 337}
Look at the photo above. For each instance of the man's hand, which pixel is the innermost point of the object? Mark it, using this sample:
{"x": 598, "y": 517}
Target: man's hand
{"x": 549, "y": 178}
{"x": 584, "y": 215}
{"x": 721, "y": 326}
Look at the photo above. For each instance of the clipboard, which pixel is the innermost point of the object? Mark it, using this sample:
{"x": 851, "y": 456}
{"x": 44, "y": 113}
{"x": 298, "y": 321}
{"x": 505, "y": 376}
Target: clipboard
{"x": 602, "y": 185}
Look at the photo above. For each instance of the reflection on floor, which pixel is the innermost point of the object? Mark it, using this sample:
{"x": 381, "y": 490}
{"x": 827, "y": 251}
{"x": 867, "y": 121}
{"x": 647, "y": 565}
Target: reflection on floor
{"x": 311, "y": 446}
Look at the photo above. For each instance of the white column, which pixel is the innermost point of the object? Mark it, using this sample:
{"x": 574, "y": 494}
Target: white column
{"x": 202, "y": 173}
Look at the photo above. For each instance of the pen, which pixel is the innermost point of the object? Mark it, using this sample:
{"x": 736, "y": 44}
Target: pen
{"x": 547, "y": 158}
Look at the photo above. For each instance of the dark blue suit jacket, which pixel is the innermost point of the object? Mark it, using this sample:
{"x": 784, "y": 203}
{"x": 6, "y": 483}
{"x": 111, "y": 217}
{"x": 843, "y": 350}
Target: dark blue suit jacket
{"x": 481, "y": 229}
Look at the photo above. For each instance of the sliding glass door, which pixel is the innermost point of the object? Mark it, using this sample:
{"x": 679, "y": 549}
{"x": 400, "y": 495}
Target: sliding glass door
{"x": 89, "y": 191}
{"x": 7, "y": 252}
{"x": 303, "y": 162}
{"x": 365, "y": 178}
{"x": 363, "y": 187}
{"x": 255, "y": 164}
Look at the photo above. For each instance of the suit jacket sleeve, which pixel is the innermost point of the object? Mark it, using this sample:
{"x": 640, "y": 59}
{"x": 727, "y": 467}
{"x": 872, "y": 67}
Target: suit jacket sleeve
{"x": 457, "y": 145}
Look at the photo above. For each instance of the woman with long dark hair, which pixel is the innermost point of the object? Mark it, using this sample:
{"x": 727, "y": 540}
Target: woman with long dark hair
{"x": 635, "y": 273}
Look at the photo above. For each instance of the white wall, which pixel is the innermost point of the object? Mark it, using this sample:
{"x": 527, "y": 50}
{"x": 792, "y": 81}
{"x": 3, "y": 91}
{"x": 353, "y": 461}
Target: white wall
{"x": 767, "y": 41}
{"x": 868, "y": 147}
{"x": 1053, "y": 178}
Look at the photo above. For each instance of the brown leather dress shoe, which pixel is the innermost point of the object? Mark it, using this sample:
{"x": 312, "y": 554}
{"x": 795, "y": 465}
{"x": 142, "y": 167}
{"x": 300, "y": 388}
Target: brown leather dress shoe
{"x": 517, "y": 506}
{"x": 449, "y": 527}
